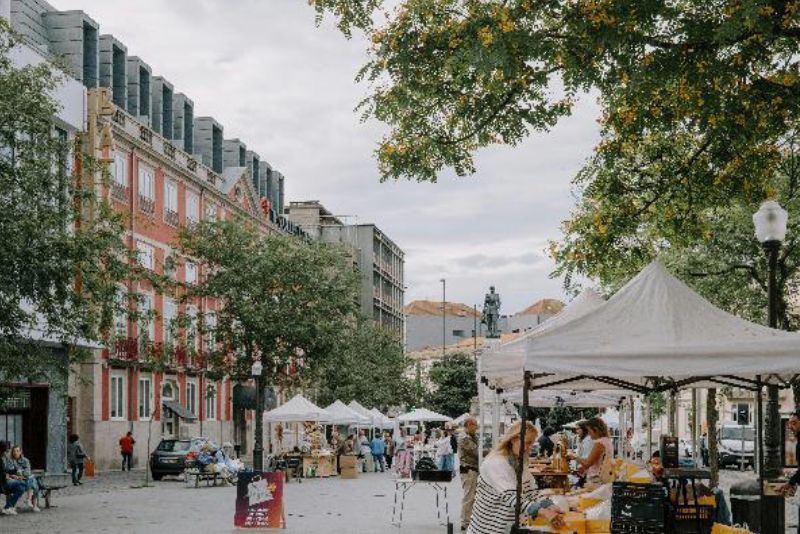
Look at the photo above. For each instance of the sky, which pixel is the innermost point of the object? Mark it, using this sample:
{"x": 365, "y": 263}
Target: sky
{"x": 287, "y": 89}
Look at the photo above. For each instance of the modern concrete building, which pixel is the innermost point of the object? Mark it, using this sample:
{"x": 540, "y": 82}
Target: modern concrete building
{"x": 380, "y": 261}
{"x": 427, "y": 328}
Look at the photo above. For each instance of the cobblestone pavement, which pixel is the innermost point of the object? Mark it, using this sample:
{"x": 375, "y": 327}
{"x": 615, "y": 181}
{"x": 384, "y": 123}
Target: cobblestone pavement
{"x": 109, "y": 503}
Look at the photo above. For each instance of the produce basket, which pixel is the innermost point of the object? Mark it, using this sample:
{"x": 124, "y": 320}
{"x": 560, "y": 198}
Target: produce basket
{"x": 637, "y": 508}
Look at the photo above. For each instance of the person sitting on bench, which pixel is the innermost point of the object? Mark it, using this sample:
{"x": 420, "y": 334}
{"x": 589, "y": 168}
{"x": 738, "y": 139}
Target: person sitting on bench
{"x": 23, "y": 468}
{"x": 13, "y": 485}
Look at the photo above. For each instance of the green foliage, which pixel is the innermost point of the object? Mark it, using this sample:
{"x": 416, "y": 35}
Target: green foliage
{"x": 62, "y": 250}
{"x": 454, "y": 386}
{"x": 284, "y": 300}
{"x": 366, "y": 364}
{"x": 451, "y": 76}
{"x": 558, "y": 416}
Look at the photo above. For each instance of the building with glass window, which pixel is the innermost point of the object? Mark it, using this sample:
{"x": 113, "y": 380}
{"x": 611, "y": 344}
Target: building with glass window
{"x": 169, "y": 168}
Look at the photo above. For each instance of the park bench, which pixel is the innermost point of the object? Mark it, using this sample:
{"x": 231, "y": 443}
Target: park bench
{"x": 50, "y": 482}
{"x": 199, "y": 474}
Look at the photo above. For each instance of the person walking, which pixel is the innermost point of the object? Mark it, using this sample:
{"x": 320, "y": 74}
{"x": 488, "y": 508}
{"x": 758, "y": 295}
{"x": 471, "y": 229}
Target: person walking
{"x": 378, "y": 450}
{"x": 76, "y": 456}
{"x": 126, "y": 444}
{"x": 468, "y": 467}
{"x": 388, "y": 441}
{"x": 444, "y": 452}
{"x": 704, "y": 449}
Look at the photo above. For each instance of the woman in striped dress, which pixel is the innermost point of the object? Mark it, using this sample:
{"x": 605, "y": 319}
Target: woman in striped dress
{"x": 496, "y": 494}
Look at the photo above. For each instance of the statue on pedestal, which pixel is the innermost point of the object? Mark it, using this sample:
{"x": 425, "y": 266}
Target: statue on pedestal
{"x": 491, "y": 313}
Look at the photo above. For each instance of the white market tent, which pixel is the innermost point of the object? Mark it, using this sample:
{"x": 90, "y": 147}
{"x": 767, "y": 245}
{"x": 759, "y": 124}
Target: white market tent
{"x": 657, "y": 333}
{"x": 502, "y": 367}
{"x": 342, "y": 415}
{"x": 296, "y": 410}
{"x": 360, "y": 410}
{"x": 574, "y": 399}
{"x": 380, "y": 420}
{"x": 422, "y": 415}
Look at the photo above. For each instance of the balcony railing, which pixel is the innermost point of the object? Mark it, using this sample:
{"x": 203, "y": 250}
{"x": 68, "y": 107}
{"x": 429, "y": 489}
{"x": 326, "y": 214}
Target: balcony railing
{"x": 119, "y": 192}
{"x": 171, "y": 217}
{"x": 147, "y": 205}
{"x": 146, "y": 134}
{"x": 126, "y": 349}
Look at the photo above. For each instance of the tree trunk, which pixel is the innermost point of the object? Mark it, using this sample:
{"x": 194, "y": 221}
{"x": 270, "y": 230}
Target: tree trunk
{"x": 711, "y": 418}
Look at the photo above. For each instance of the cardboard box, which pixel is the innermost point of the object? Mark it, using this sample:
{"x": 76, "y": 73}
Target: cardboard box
{"x": 348, "y": 461}
{"x": 349, "y": 472}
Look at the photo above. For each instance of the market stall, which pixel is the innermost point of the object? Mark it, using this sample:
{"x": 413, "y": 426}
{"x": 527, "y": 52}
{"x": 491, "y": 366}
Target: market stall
{"x": 315, "y": 458}
{"x": 656, "y": 334}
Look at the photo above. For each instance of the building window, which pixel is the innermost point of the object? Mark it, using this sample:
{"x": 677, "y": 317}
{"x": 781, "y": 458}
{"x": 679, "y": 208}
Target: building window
{"x": 145, "y": 254}
{"x": 192, "y": 339}
{"x": 458, "y": 333}
{"x": 117, "y": 397}
{"x": 211, "y": 326}
{"x": 145, "y": 398}
{"x": 211, "y": 211}
{"x": 168, "y": 316}
{"x": 121, "y": 169}
{"x": 146, "y": 183}
{"x": 211, "y": 402}
{"x": 146, "y": 323}
{"x": 192, "y": 208}
{"x": 740, "y": 413}
{"x": 171, "y": 202}
{"x": 121, "y": 314}
{"x": 191, "y": 397}
{"x": 191, "y": 273}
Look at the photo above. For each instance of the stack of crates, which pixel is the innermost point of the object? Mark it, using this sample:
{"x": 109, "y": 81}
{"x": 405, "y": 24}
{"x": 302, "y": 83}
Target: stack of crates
{"x": 638, "y": 508}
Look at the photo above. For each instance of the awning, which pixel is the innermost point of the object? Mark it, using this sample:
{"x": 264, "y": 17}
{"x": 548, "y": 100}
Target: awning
{"x": 179, "y": 410}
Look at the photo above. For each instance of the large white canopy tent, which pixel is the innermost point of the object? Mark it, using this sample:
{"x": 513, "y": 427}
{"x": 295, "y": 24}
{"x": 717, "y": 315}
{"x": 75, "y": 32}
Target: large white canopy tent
{"x": 422, "y": 415}
{"x": 297, "y": 410}
{"x": 379, "y": 420}
{"x": 657, "y": 334}
{"x": 342, "y": 415}
{"x": 501, "y": 367}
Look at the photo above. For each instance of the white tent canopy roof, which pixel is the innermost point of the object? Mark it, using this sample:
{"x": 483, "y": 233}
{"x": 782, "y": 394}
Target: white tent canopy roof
{"x": 298, "y": 409}
{"x": 380, "y": 420}
{"x": 342, "y": 415}
{"x": 656, "y": 326}
{"x": 422, "y": 415}
{"x": 503, "y": 367}
{"x": 576, "y": 399}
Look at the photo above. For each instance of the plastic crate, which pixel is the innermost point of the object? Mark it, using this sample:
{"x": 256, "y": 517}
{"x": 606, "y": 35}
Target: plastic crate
{"x": 432, "y": 475}
{"x": 685, "y": 520}
{"x": 630, "y": 490}
{"x": 639, "y": 526}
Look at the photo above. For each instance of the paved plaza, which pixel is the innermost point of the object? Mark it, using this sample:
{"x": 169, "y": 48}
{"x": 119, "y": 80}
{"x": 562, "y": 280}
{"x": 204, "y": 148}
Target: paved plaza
{"x": 109, "y": 504}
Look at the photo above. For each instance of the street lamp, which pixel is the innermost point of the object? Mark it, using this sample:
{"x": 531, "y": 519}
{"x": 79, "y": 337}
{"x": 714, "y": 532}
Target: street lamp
{"x": 770, "y": 223}
{"x": 258, "y": 442}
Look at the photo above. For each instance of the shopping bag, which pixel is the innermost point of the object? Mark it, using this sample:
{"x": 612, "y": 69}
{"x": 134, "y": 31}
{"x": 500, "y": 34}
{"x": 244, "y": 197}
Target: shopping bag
{"x": 88, "y": 468}
{"x": 724, "y": 529}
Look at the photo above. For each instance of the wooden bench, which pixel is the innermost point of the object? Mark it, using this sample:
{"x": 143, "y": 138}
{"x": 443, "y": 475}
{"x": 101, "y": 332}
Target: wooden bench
{"x": 201, "y": 474}
{"x": 47, "y": 492}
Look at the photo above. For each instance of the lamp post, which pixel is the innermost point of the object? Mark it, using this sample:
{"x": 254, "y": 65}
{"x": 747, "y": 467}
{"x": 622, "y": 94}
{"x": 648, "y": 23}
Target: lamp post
{"x": 444, "y": 316}
{"x": 258, "y": 441}
{"x": 770, "y": 224}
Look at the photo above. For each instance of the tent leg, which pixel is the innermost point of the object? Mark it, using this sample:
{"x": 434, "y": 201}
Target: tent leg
{"x": 526, "y": 384}
{"x": 760, "y": 440}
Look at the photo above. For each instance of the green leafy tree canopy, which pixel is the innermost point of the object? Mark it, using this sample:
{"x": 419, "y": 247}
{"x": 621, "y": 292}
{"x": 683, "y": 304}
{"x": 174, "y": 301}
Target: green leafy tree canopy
{"x": 453, "y": 384}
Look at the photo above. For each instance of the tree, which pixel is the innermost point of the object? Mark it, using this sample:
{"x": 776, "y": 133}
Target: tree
{"x": 283, "y": 300}
{"x": 451, "y": 76}
{"x": 62, "y": 250}
{"x": 368, "y": 365}
{"x": 453, "y": 381}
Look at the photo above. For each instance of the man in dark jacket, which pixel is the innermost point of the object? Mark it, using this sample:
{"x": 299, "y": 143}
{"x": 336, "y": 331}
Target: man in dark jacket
{"x": 546, "y": 445}
{"x": 791, "y": 487}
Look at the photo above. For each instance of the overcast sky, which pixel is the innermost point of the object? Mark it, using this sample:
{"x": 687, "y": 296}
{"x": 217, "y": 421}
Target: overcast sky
{"x": 286, "y": 88}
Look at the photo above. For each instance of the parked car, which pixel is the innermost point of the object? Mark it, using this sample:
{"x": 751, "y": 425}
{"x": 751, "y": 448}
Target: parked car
{"x": 736, "y": 444}
{"x": 170, "y": 456}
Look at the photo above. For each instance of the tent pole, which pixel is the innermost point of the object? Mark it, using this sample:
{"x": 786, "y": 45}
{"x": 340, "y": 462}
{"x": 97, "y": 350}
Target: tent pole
{"x": 526, "y": 383}
{"x": 649, "y": 429}
{"x": 495, "y": 418}
{"x": 695, "y": 420}
{"x": 760, "y": 441}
